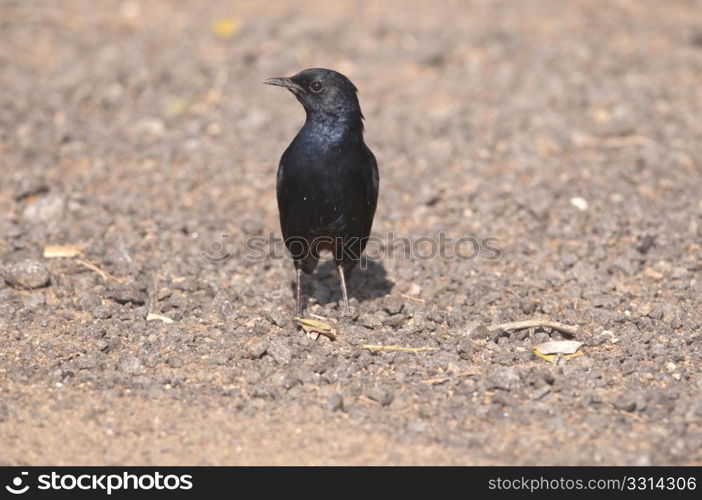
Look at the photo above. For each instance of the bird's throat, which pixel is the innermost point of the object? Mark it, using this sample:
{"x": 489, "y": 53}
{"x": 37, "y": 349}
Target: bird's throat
{"x": 334, "y": 127}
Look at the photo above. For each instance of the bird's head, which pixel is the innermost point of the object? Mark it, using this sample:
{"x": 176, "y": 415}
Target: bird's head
{"x": 322, "y": 91}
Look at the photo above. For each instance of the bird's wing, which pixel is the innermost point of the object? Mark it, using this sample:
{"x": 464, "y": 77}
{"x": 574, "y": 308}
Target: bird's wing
{"x": 291, "y": 186}
{"x": 282, "y": 194}
{"x": 371, "y": 191}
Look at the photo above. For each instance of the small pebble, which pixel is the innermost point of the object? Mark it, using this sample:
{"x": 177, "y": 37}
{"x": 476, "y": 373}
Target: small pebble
{"x": 130, "y": 364}
{"x": 579, "y": 203}
{"x": 393, "y": 305}
{"x": 335, "y": 402}
{"x": 256, "y": 347}
{"x": 280, "y": 351}
{"x": 27, "y": 274}
{"x": 126, "y": 293}
{"x": 381, "y": 395}
{"x": 175, "y": 362}
{"x": 506, "y": 379}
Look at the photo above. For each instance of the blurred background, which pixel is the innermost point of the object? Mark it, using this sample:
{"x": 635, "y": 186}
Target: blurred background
{"x": 139, "y": 133}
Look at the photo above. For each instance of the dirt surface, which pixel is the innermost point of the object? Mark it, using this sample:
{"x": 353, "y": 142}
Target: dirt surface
{"x": 140, "y": 133}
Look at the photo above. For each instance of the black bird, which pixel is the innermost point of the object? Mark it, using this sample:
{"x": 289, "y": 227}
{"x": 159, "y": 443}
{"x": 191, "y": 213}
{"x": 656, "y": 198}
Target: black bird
{"x": 327, "y": 178}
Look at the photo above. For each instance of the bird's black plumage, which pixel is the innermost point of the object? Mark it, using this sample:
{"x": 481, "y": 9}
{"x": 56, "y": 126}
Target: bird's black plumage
{"x": 327, "y": 178}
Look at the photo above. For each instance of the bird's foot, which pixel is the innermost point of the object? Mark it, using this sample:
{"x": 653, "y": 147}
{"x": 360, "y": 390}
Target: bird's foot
{"x": 348, "y": 315}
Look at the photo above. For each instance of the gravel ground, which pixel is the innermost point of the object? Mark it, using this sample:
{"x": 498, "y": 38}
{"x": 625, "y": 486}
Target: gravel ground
{"x": 139, "y": 133}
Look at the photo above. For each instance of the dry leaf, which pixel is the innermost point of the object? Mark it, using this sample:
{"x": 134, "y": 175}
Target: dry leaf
{"x": 397, "y": 348}
{"x": 558, "y": 347}
{"x": 61, "y": 251}
{"x": 551, "y": 358}
{"x": 312, "y": 326}
{"x": 154, "y": 317}
{"x": 225, "y": 27}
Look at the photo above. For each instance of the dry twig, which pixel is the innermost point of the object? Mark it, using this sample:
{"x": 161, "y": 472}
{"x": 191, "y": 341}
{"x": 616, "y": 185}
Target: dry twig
{"x": 416, "y": 299}
{"x": 103, "y": 274}
{"x": 534, "y": 323}
{"x": 374, "y": 347}
{"x": 441, "y": 380}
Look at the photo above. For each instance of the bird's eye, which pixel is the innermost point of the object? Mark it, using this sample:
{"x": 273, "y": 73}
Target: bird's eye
{"x": 316, "y": 86}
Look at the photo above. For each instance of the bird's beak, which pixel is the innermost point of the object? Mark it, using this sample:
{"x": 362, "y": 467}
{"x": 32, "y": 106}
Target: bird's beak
{"x": 284, "y": 82}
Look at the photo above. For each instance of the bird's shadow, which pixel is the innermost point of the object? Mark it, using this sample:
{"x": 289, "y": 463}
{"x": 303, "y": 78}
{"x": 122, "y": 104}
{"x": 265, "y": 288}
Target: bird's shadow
{"x": 366, "y": 282}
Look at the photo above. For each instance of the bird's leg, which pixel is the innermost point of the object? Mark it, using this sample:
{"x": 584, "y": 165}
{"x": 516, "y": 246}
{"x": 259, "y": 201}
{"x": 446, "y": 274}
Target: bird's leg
{"x": 342, "y": 277}
{"x": 298, "y": 288}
